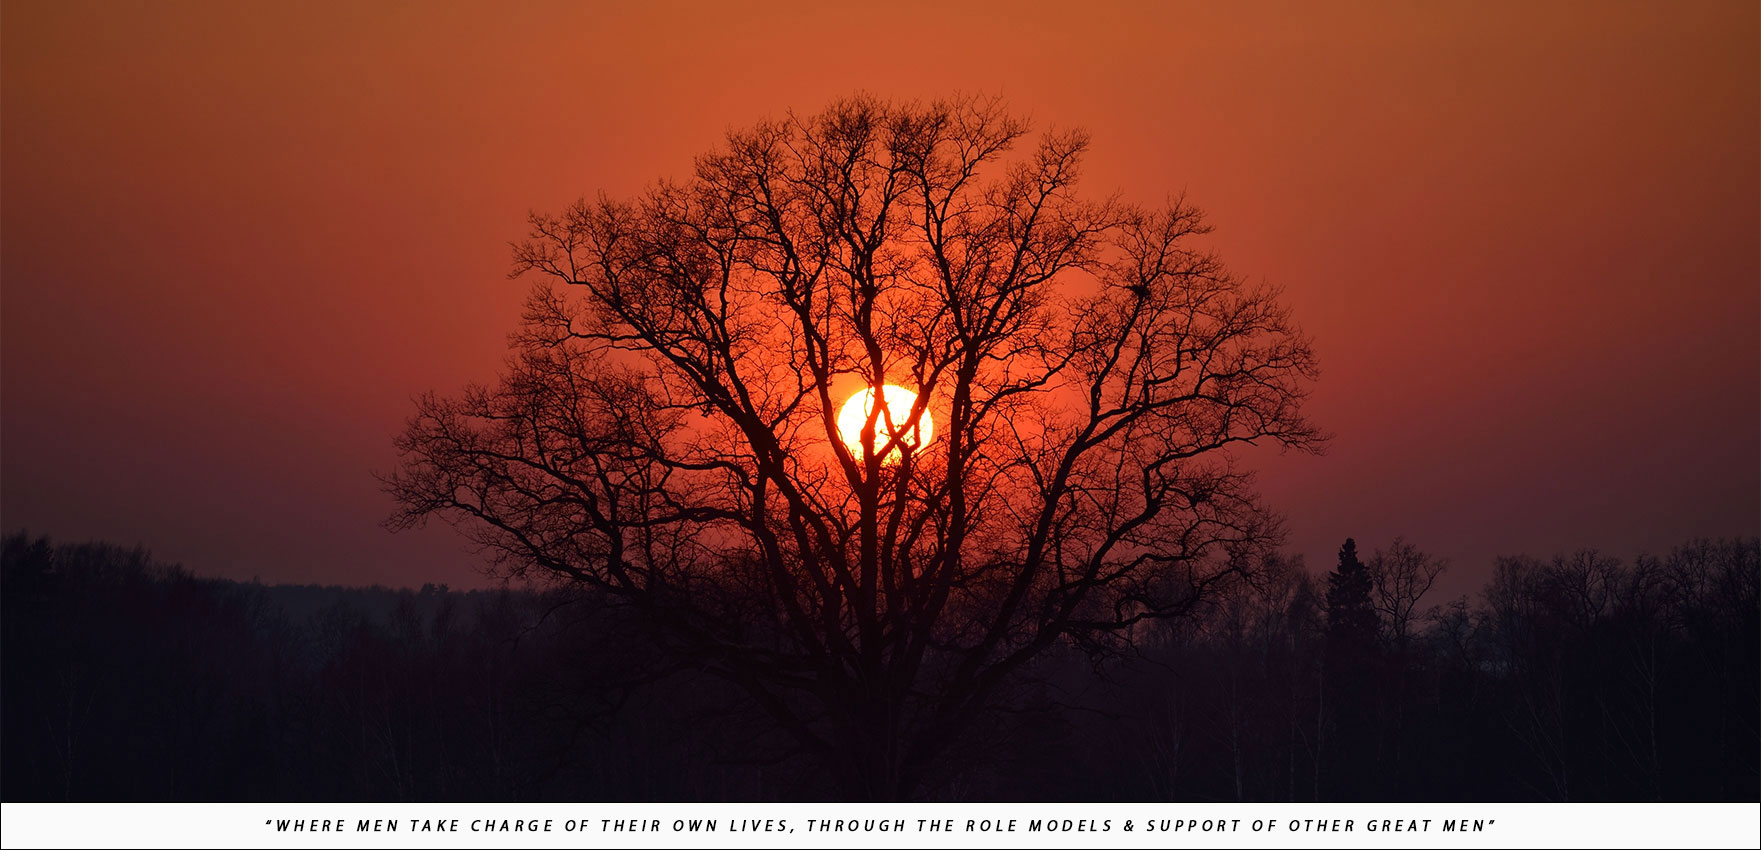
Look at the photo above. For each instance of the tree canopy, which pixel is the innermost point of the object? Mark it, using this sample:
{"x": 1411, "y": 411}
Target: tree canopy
{"x": 666, "y": 429}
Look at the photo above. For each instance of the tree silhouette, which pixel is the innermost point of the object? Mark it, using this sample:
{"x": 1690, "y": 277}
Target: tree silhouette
{"x": 666, "y": 428}
{"x": 1350, "y": 670}
{"x": 1351, "y": 613}
{"x": 1400, "y": 577}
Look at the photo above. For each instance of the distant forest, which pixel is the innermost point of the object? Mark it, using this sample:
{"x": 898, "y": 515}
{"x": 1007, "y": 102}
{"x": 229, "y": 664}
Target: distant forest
{"x": 1577, "y": 677}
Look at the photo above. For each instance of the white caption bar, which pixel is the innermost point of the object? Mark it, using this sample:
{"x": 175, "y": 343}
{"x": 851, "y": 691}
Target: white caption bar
{"x": 1059, "y": 825}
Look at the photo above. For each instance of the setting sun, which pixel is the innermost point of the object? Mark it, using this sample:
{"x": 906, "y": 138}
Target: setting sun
{"x": 896, "y": 403}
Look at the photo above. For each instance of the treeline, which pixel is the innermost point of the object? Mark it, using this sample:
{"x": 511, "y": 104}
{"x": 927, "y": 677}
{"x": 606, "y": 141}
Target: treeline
{"x": 1570, "y": 679}
{"x": 128, "y": 679}
{"x": 1577, "y": 678}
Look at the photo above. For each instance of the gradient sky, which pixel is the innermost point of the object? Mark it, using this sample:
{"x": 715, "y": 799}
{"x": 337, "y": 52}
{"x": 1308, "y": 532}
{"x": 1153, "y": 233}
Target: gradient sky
{"x": 239, "y": 237}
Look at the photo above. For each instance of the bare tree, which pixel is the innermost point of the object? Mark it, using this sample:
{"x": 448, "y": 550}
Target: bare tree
{"x": 1401, "y": 575}
{"x": 667, "y": 428}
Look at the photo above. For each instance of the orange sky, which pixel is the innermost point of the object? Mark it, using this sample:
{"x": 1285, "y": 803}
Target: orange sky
{"x": 237, "y": 238}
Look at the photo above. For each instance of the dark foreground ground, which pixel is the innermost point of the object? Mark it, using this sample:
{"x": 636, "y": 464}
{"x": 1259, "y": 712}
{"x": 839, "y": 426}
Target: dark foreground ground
{"x": 1577, "y": 678}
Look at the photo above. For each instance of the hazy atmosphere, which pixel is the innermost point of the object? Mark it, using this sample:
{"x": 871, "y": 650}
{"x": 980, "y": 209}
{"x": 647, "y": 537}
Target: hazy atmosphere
{"x": 240, "y": 238}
